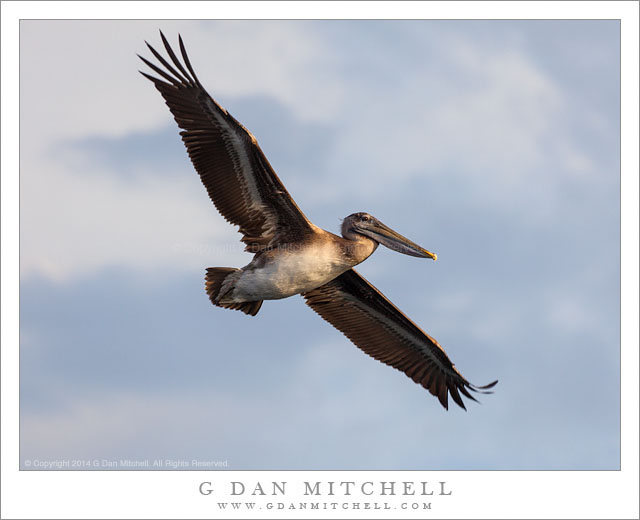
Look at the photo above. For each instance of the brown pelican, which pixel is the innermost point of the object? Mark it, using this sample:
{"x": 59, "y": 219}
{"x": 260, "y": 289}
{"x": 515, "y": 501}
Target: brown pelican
{"x": 291, "y": 254}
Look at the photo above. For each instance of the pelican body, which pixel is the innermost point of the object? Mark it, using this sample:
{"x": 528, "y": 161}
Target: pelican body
{"x": 300, "y": 267}
{"x": 291, "y": 254}
{"x": 293, "y": 269}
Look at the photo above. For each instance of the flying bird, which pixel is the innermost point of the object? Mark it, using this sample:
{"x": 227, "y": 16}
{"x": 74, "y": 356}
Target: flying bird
{"x": 291, "y": 254}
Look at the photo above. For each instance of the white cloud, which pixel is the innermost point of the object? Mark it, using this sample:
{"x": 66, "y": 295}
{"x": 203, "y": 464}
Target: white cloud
{"x": 108, "y": 425}
{"x": 77, "y": 223}
{"x": 331, "y": 388}
{"x": 488, "y": 112}
{"x": 80, "y": 79}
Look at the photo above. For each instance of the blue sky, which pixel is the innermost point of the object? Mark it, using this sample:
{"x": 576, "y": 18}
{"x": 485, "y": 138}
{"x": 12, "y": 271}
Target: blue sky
{"x": 494, "y": 144}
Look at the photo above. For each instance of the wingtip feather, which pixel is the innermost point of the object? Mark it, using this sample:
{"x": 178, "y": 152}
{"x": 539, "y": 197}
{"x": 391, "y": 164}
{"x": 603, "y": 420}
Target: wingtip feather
{"x": 175, "y": 60}
{"x": 456, "y": 397}
{"x": 484, "y": 389}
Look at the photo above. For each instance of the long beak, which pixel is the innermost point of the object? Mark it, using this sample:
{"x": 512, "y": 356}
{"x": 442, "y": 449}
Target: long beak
{"x": 393, "y": 240}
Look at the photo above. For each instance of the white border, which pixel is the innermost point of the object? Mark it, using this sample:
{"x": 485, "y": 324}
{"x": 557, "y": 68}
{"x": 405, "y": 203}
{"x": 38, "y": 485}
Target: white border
{"x": 496, "y": 494}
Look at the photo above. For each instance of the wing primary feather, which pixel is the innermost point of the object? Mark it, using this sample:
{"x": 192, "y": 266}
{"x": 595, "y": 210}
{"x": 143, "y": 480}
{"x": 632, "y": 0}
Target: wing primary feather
{"x": 490, "y": 385}
{"x": 150, "y": 77}
{"x": 166, "y": 64}
{"x": 175, "y": 60}
{"x": 480, "y": 389}
{"x": 453, "y": 390}
{"x": 157, "y": 69}
{"x": 443, "y": 395}
{"x": 466, "y": 393}
{"x": 185, "y": 57}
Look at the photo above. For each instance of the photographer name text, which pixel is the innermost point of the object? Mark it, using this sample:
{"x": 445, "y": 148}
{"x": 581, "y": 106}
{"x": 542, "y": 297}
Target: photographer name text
{"x": 329, "y": 488}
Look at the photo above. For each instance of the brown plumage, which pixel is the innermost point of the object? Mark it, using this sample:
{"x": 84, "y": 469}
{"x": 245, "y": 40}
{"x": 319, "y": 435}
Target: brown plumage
{"x": 357, "y": 309}
{"x": 238, "y": 177}
{"x": 292, "y": 255}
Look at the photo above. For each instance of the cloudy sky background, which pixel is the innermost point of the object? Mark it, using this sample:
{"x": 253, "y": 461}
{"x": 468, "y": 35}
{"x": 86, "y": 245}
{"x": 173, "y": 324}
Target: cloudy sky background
{"x": 493, "y": 144}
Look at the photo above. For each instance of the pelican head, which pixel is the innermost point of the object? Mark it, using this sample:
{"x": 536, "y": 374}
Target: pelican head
{"x": 367, "y": 225}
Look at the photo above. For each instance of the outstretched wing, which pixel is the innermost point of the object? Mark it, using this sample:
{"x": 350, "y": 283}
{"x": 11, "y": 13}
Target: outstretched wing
{"x": 239, "y": 179}
{"x": 357, "y": 309}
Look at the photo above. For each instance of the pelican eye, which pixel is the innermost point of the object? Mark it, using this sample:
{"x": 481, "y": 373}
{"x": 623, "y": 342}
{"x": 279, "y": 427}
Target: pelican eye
{"x": 364, "y": 218}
